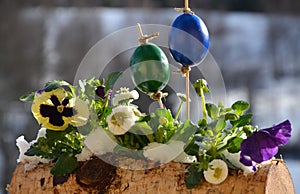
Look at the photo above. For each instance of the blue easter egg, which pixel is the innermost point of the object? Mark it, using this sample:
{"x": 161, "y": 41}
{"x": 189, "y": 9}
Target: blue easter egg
{"x": 188, "y": 39}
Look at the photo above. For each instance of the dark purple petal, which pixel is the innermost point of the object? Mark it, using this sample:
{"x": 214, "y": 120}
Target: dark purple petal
{"x": 41, "y": 91}
{"x": 263, "y": 144}
{"x": 246, "y": 160}
{"x": 260, "y": 146}
{"x": 281, "y": 132}
{"x": 100, "y": 91}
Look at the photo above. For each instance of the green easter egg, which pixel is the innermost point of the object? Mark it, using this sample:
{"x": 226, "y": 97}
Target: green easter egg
{"x": 150, "y": 70}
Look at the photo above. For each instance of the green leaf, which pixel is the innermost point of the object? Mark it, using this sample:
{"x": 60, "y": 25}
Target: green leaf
{"x": 144, "y": 118}
{"x": 141, "y": 128}
{"x": 85, "y": 130}
{"x": 65, "y": 164}
{"x": 123, "y": 151}
{"x": 27, "y": 97}
{"x": 112, "y": 78}
{"x": 243, "y": 120}
{"x": 159, "y": 135}
{"x": 35, "y": 151}
{"x": 249, "y": 130}
{"x": 231, "y": 116}
{"x": 212, "y": 111}
{"x": 55, "y": 84}
{"x": 240, "y": 106}
{"x": 51, "y": 134}
{"x": 154, "y": 122}
{"x": 88, "y": 88}
{"x": 185, "y": 131}
{"x": 221, "y": 124}
{"x": 202, "y": 123}
{"x": 234, "y": 144}
{"x": 192, "y": 149}
{"x": 193, "y": 177}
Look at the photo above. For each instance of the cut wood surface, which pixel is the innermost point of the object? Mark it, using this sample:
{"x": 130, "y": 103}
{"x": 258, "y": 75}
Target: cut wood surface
{"x": 96, "y": 176}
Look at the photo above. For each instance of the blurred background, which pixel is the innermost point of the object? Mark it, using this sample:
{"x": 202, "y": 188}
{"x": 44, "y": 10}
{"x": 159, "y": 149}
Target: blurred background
{"x": 255, "y": 43}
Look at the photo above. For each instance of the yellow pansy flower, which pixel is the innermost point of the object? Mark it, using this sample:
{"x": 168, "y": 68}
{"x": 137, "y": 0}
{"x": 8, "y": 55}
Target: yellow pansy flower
{"x": 54, "y": 110}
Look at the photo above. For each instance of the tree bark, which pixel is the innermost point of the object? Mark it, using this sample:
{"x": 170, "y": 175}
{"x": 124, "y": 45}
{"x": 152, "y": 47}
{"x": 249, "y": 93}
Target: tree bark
{"x": 96, "y": 176}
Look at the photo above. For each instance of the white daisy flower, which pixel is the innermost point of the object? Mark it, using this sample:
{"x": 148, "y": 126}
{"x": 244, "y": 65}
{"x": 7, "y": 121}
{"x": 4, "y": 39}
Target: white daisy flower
{"x": 121, "y": 119}
{"x": 217, "y": 172}
{"x": 124, "y": 97}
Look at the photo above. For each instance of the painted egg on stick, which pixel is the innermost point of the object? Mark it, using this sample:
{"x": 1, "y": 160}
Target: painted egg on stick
{"x": 150, "y": 70}
{"x": 188, "y": 39}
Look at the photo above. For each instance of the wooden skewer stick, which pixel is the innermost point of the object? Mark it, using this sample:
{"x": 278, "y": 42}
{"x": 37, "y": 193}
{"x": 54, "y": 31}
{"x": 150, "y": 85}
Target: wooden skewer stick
{"x": 187, "y": 91}
{"x": 140, "y": 30}
{"x": 186, "y": 4}
{"x": 186, "y": 71}
{"x": 144, "y": 38}
{"x": 186, "y": 8}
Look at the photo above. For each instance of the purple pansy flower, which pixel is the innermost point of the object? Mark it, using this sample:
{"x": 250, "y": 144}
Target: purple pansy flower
{"x": 263, "y": 144}
{"x": 100, "y": 91}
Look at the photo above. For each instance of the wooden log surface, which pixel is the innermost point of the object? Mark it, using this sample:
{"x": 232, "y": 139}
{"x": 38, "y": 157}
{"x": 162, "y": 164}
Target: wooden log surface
{"x": 96, "y": 176}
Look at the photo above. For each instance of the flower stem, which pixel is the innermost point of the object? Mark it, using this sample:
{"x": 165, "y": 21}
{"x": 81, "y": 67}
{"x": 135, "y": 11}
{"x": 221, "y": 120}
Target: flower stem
{"x": 105, "y": 108}
{"x": 179, "y": 110}
{"x": 203, "y": 104}
{"x": 150, "y": 138}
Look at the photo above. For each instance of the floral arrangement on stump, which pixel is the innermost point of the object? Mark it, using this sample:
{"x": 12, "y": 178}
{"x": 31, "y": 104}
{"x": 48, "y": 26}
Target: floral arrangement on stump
{"x": 74, "y": 119}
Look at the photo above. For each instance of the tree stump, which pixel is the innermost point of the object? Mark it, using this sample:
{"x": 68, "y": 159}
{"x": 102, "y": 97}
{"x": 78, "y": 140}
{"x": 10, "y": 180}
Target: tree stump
{"x": 96, "y": 176}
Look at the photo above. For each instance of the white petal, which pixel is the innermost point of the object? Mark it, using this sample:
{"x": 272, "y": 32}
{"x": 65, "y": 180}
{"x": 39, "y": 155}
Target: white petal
{"x": 217, "y": 172}
{"x": 234, "y": 159}
{"x": 116, "y": 130}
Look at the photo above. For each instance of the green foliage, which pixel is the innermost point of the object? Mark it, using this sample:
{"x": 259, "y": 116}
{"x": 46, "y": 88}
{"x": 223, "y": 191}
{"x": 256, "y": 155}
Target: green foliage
{"x": 52, "y": 85}
{"x": 112, "y": 78}
{"x": 124, "y": 151}
{"x": 243, "y": 120}
{"x": 65, "y": 164}
{"x": 193, "y": 176}
{"x": 212, "y": 111}
{"x": 234, "y": 144}
{"x": 158, "y": 127}
{"x": 221, "y": 129}
{"x": 27, "y": 97}
{"x": 240, "y": 106}
{"x": 60, "y": 145}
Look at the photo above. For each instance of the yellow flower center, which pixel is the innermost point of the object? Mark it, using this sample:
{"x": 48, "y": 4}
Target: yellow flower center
{"x": 218, "y": 173}
{"x": 60, "y": 108}
{"x": 118, "y": 118}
